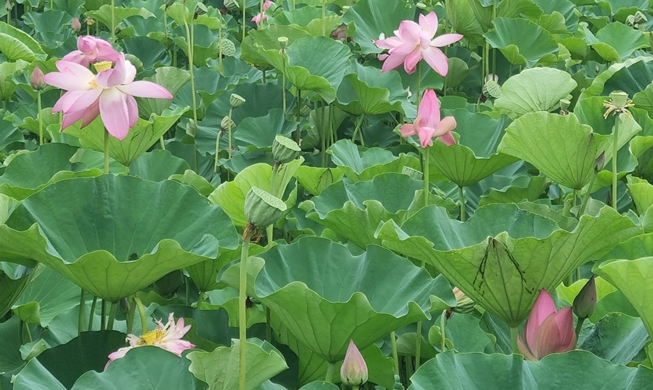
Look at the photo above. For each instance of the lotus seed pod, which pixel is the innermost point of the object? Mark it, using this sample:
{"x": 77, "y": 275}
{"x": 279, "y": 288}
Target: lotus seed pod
{"x": 599, "y": 163}
{"x": 227, "y": 47}
{"x": 421, "y": 5}
{"x": 89, "y": 21}
{"x": 283, "y": 42}
{"x": 200, "y": 9}
{"x": 232, "y": 5}
{"x": 262, "y": 208}
{"x": 236, "y": 101}
{"x": 464, "y": 304}
{"x": 585, "y": 302}
{"x": 227, "y": 123}
{"x": 414, "y": 173}
{"x": 492, "y": 89}
{"x": 284, "y": 150}
{"x": 619, "y": 98}
{"x": 36, "y": 79}
{"x": 191, "y": 128}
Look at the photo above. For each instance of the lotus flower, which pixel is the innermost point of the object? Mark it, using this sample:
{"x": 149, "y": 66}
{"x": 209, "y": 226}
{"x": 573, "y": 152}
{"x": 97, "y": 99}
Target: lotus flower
{"x": 76, "y": 25}
{"x": 262, "y": 17}
{"x": 547, "y": 331}
{"x": 413, "y": 41}
{"x": 428, "y": 124}
{"x": 353, "y": 371}
{"x": 166, "y": 336}
{"x": 110, "y": 94}
{"x": 91, "y": 50}
{"x": 36, "y": 79}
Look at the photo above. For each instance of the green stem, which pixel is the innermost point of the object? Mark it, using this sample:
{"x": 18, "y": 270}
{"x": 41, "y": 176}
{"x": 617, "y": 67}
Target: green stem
{"x": 586, "y": 198}
{"x": 426, "y": 176}
{"x": 165, "y": 28}
{"x": 395, "y": 354}
{"x": 38, "y": 99}
{"x": 229, "y": 132}
{"x": 263, "y": 77}
{"x": 418, "y": 345}
{"x": 244, "y": 19}
{"x": 329, "y": 373}
{"x": 283, "y": 81}
{"x": 91, "y": 315}
{"x": 419, "y": 84}
{"x": 461, "y": 199}
{"x": 268, "y": 326}
{"x": 514, "y": 332}
{"x": 103, "y": 314}
{"x": 242, "y": 308}
{"x": 443, "y": 344}
{"x": 106, "y": 152}
{"x": 82, "y": 305}
{"x": 220, "y": 68}
{"x": 29, "y": 332}
{"x": 113, "y": 20}
{"x": 130, "y": 317}
{"x": 297, "y": 113}
{"x": 217, "y": 149}
{"x": 141, "y": 312}
{"x": 112, "y": 315}
{"x": 200, "y": 299}
{"x": 163, "y": 143}
{"x": 323, "y": 17}
{"x": 359, "y": 122}
{"x": 579, "y": 326}
{"x": 191, "y": 57}
{"x": 615, "y": 149}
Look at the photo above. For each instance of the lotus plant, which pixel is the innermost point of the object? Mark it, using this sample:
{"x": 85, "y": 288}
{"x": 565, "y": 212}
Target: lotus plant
{"x": 547, "y": 330}
{"x": 353, "y": 371}
{"x": 91, "y": 50}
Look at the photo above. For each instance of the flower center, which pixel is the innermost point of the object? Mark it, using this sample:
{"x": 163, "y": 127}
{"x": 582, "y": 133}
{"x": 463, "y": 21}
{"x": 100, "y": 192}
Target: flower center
{"x": 151, "y": 338}
{"x": 93, "y": 84}
{"x": 102, "y": 65}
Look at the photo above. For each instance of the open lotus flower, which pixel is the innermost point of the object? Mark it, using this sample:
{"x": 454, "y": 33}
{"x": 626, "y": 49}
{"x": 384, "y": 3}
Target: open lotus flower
{"x": 91, "y": 50}
{"x": 353, "y": 371}
{"x": 428, "y": 124}
{"x": 110, "y": 94}
{"x": 413, "y": 41}
{"x": 166, "y": 336}
{"x": 262, "y": 17}
{"x": 547, "y": 331}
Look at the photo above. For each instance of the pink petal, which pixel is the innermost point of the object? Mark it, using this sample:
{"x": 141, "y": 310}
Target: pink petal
{"x": 87, "y": 116}
{"x": 71, "y": 76}
{"x": 436, "y": 60}
{"x": 132, "y": 109}
{"x": 524, "y": 349}
{"x": 556, "y": 334}
{"x": 77, "y": 57}
{"x": 407, "y": 130}
{"x": 429, "y": 109}
{"x": 267, "y": 5}
{"x": 77, "y": 100}
{"x": 146, "y": 89}
{"x": 429, "y": 23}
{"x": 447, "y": 138}
{"x": 425, "y": 135}
{"x": 445, "y": 127}
{"x": 392, "y": 62}
{"x": 115, "y": 112}
{"x": 177, "y": 346}
{"x": 409, "y": 31}
{"x": 446, "y": 39}
{"x": 113, "y": 77}
{"x": 257, "y": 19}
{"x": 412, "y": 59}
{"x": 542, "y": 308}
{"x": 388, "y": 43}
{"x": 117, "y": 355}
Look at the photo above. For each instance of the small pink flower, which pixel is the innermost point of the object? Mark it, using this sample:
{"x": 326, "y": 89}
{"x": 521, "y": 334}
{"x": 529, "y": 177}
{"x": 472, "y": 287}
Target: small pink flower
{"x": 413, "y": 41}
{"x": 547, "y": 331}
{"x": 166, "y": 336}
{"x": 36, "y": 79}
{"x": 109, "y": 94}
{"x": 428, "y": 125}
{"x": 353, "y": 371}
{"x": 262, "y": 17}
{"x": 76, "y": 25}
{"x": 91, "y": 50}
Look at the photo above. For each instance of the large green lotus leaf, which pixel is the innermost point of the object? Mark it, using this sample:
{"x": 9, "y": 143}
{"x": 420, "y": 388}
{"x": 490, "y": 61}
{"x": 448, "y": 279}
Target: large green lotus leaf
{"x": 528, "y": 188}
{"x": 463, "y": 20}
{"x": 503, "y": 256}
{"x": 205, "y": 274}
{"x": 633, "y": 278}
{"x": 474, "y": 157}
{"x": 564, "y": 7}
{"x": 29, "y": 172}
{"x": 90, "y": 229}
{"x": 617, "y": 337}
{"x": 449, "y": 371}
{"x": 373, "y": 17}
{"x": 140, "y": 139}
{"x": 231, "y": 195}
{"x": 308, "y": 19}
{"x": 630, "y": 76}
{"x": 314, "y": 63}
{"x": 324, "y": 304}
{"x": 315, "y": 180}
{"x": 36, "y": 377}
{"x": 465, "y": 333}
{"x": 158, "y": 165}
{"x": 644, "y": 99}
{"x": 150, "y": 53}
{"x": 522, "y": 42}
{"x": 616, "y": 41}
{"x": 642, "y": 193}
{"x": 538, "y": 89}
{"x": 267, "y": 39}
{"x": 559, "y": 146}
{"x": 220, "y": 368}
{"x": 196, "y": 181}
{"x": 147, "y": 368}
{"x": 14, "y": 278}
{"x": 359, "y": 164}
{"x": 17, "y": 45}
{"x": 369, "y": 91}
{"x": 171, "y": 79}
{"x": 49, "y": 27}
{"x": 103, "y": 15}
{"x": 260, "y": 132}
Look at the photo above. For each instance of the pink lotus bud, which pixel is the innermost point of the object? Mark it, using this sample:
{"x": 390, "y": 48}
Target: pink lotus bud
{"x": 36, "y": 79}
{"x": 547, "y": 331}
{"x": 354, "y": 370}
{"x": 267, "y": 5}
{"x": 585, "y": 301}
{"x": 76, "y": 25}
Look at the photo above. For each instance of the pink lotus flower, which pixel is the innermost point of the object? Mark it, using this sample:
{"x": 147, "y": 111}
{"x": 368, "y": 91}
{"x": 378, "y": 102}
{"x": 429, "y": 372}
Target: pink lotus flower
{"x": 262, "y": 17}
{"x": 109, "y": 94}
{"x": 166, "y": 336}
{"x": 36, "y": 79}
{"x": 413, "y": 41}
{"x": 353, "y": 371}
{"x": 428, "y": 124}
{"x": 76, "y": 25}
{"x": 91, "y": 50}
{"x": 547, "y": 331}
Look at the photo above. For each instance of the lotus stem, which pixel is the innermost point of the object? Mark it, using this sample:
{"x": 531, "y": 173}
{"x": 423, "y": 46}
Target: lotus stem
{"x": 263, "y": 77}
{"x": 29, "y": 332}
{"x": 514, "y": 332}
{"x": 443, "y": 344}
{"x": 106, "y": 152}
{"x": 579, "y": 326}
{"x": 82, "y": 304}
{"x": 113, "y": 20}
{"x": 461, "y": 199}
{"x": 20, "y": 331}
{"x": 112, "y": 315}
{"x": 242, "y": 308}
{"x": 141, "y": 312}
{"x": 615, "y": 149}
{"x": 244, "y": 19}
{"x": 38, "y": 100}
{"x": 419, "y": 84}
{"x": 130, "y": 317}
{"x": 268, "y": 327}
{"x": 229, "y": 131}
{"x": 418, "y": 345}
{"x": 283, "y": 80}
{"x": 163, "y": 144}
{"x": 165, "y": 28}
{"x": 297, "y": 115}
{"x": 426, "y": 176}
{"x": 217, "y": 150}
{"x": 91, "y": 315}
{"x": 200, "y": 299}
{"x": 586, "y": 198}
{"x": 323, "y": 17}
{"x": 329, "y": 373}
{"x": 220, "y": 68}
{"x": 359, "y": 122}
{"x": 261, "y": 11}
{"x": 395, "y": 355}
{"x": 191, "y": 57}
{"x": 103, "y": 315}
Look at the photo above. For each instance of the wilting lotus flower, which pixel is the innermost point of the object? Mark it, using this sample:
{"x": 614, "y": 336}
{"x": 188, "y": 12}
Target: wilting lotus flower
{"x": 428, "y": 124}
{"x": 262, "y": 17}
{"x": 110, "y": 94}
{"x": 547, "y": 331}
{"x": 413, "y": 41}
{"x": 166, "y": 336}
{"x": 91, "y": 50}
{"x": 353, "y": 371}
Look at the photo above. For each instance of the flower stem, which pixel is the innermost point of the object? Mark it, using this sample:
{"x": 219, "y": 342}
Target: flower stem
{"x": 141, "y": 312}
{"x": 112, "y": 315}
{"x": 82, "y": 304}
{"x": 244, "y": 19}
{"x": 615, "y": 149}
{"x": 443, "y": 344}
{"x": 268, "y": 326}
{"x": 103, "y": 314}
{"x": 359, "y": 122}
{"x": 426, "y": 176}
{"x": 38, "y": 99}
{"x": 514, "y": 332}
{"x": 113, "y": 20}
{"x": 419, "y": 84}
{"x": 130, "y": 317}
{"x": 395, "y": 355}
{"x": 191, "y": 57}
{"x": 323, "y": 17}
{"x": 242, "y": 308}
{"x": 579, "y": 326}
{"x": 220, "y": 69}
{"x": 91, "y": 315}
{"x": 229, "y": 132}
{"x": 586, "y": 198}
{"x": 283, "y": 80}
{"x": 461, "y": 199}
{"x": 329, "y": 373}
{"x": 297, "y": 113}
{"x": 106, "y": 152}
{"x": 418, "y": 345}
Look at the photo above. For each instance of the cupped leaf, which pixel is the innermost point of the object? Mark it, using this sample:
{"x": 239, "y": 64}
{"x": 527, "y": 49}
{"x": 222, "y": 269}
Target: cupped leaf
{"x": 503, "y": 256}
{"x": 158, "y": 165}
{"x": 343, "y": 298}
{"x": 559, "y": 146}
{"x": 630, "y": 76}
{"x": 523, "y": 42}
{"x": 14, "y": 278}
{"x": 538, "y": 89}
{"x": 100, "y": 232}
{"x": 16, "y": 45}
{"x": 616, "y": 41}
{"x": 617, "y": 337}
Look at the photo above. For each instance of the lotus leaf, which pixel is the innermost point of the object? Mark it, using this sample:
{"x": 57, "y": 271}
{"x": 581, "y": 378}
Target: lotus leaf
{"x": 522, "y": 42}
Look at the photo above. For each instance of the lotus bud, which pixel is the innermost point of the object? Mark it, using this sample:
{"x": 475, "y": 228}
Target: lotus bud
{"x": 36, "y": 79}
{"x": 599, "y": 163}
{"x": 191, "y": 128}
{"x": 353, "y": 371}
{"x": 76, "y": 25}
{"x": 236, "y": 101}
{"x": 284, "y": 150}
{"x": 414, "y": 173}
{"x": 619, "y": 98}
{"x": 283, "y": 42}
{"x": 227, "y": 124}
{"x": 232, "y": 5}
{"x": 262, "y": 208}
{"x": 585, "y": 302}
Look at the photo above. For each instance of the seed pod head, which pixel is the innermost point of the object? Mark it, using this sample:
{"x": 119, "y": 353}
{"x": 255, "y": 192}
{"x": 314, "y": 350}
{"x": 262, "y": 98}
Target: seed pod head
{"x": 283, "y": 42}
{"x": 232, "y": 5}
{"x": 227, "y": 47}
{"x": 227, "y": 124}
{"x": 585, "y": 302}
{"x": 304, "y": 110}
{"x": 36, "y": 79}
{"x": 492, "y": 89}
{"x": 619, "y": 98}
{"x": 89, "y": 21}
{"x": 200, "y": 9}
{"x": 564, "y": 104}
{"x": 284, "y": 150}
{"x": 262, "y": 208}
{"x": 236, "y": 101}
{"x": 353, "y": 371}
{"x": 76, "y": 25}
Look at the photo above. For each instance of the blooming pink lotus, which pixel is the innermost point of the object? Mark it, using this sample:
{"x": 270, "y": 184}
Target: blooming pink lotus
{"x": 413, "y": 41}
{"x": 110, "y": 94}
{"x": 428, "y": 124}
{"x": 547, "y": 331}
{"x": 262, "y": 17}
{"x": 166, "y": 336}
{"x": 91, "y": 50}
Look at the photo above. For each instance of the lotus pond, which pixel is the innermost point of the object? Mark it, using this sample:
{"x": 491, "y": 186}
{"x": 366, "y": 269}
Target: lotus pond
{"x": 326, "y": 194}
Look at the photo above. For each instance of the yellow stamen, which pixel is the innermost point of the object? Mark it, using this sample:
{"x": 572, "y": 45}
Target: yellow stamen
{"x": 93, "y": 84}
{"x": 150, "y": 338}
{"x": 103, "y": 65}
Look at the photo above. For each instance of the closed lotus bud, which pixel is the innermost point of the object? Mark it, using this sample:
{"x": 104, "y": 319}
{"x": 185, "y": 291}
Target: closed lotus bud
{"x": 227, "y": 124}
{"x": 353, "y": 371}
{"x": 262, "y": 208}
{"x": 191, "y": 128}
{"x": 283, "y": 42}
{"x": 36, "y": 79}
{"x": 227, "y": 48}
{"x": 284, "y": 150}
{"x": 599, "y": 163}
{"x": 76, "y": 25}
{"x": 236, "y": 101}
{"x": 619, "y": 98}
{"x": 414, "y": 173}
{"x": 585, "y": 301}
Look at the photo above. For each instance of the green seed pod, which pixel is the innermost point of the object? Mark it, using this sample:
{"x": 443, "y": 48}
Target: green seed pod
{"x": 619, "y": 98}
{"x": 284, "y": 150}
{"x": 262, "y": 208}
{"x": 283, "y": 42}
{"x": 414, "y": 173}
{"x": 236, "y": 101}
{"x": 227, "y": 124}
{"x": 492, "y": 89}
{"x": 304, "y": 110}
{"x": 227, "y": 47}
{"x": 232, "y": 5}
